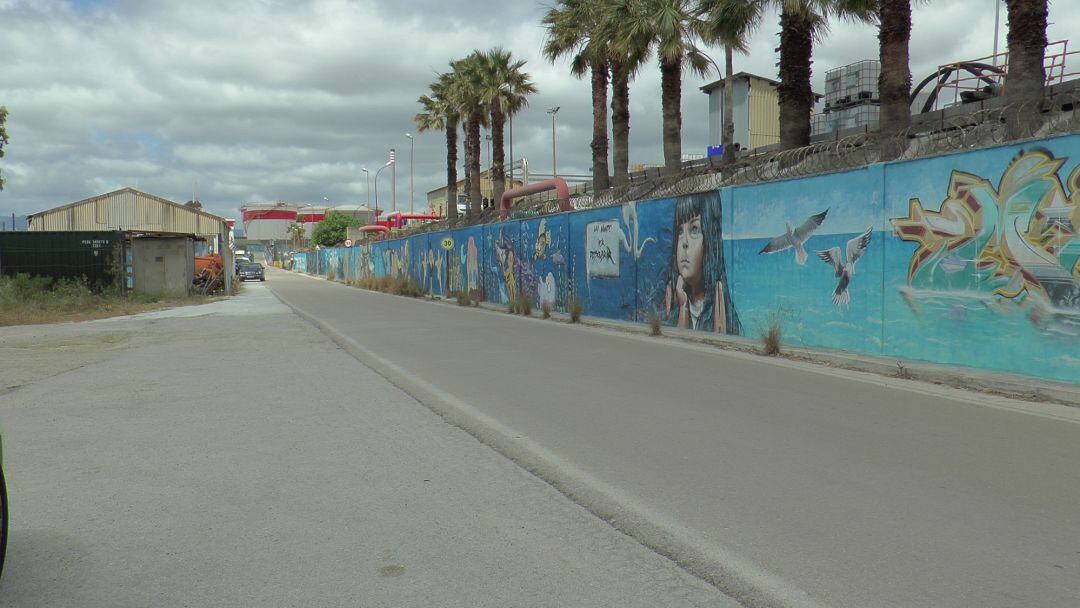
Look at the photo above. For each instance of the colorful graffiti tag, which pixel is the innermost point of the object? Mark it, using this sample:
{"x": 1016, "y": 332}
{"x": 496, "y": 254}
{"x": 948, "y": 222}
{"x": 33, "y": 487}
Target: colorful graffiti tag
{"x": 1019, "y": 241}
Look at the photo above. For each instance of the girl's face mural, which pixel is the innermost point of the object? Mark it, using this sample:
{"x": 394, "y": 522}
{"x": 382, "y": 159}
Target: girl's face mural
{"x": 689, "y": 252}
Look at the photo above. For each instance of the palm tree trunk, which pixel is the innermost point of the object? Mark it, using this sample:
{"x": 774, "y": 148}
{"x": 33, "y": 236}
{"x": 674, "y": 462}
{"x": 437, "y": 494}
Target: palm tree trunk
{"x": 1027, "y": 49}
{"x": 894, "y": 83}
{"x": 671, "y": 98}
{"x": 728, "y": 138}
{"x": 620, "y": 121}
{"x": 472, "y": 142}
{"x": 796, "y": 97}
{"x": 599, "y": 130}
{"x": 498, "y": 153}
{"x": 451, "y": 169}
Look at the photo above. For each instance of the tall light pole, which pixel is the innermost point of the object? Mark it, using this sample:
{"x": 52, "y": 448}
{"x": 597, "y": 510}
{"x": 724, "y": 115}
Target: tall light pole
{"x": 554, "y": 169}
{"x": 367, "y": 174}
{"x": 388, "y": 163}
{"x": 411, "y": 146}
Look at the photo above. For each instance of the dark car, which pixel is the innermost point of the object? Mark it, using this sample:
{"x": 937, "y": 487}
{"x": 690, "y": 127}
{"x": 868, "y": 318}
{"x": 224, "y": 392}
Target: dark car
{"x": 251, "y": 271}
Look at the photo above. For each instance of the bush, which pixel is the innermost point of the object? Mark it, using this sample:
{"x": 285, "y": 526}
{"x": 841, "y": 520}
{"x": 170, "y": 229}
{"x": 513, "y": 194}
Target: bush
{"x": 462, "y": 298}
{"x": 546, "y": 309}
{"x": 575, "y": 310}
{"x": 654, "y": 324}
{"x": 770, "y": 339}
{"x": 524, "y": 304}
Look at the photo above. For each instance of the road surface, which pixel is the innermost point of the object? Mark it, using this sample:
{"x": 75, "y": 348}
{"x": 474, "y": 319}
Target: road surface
{"x": 229, "y": 455}
{"x": 776, "y": 481}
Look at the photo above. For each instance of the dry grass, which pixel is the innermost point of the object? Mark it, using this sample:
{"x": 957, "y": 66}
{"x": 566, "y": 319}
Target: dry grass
{"x": 392, "y": 286}
{"x": 330, "y": 276}
{"x": 27, "y": 301}
{"x": 545, "y": 308}
{"x": 575, "y": 310}
{"x": 654, "y": 324}
{"x": 771, "y": 338}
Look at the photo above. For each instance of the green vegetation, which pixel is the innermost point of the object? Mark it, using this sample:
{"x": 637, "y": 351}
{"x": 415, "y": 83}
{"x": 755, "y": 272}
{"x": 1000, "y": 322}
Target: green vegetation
{"x": 392, "y": 286}
{"x": 333, "y": 229}
{"x": 28, "y": 300}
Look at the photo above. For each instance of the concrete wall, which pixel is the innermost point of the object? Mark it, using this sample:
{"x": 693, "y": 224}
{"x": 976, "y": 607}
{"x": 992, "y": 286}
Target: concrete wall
{"x": 967, "y": 259}
{"x": 163, "y": 266}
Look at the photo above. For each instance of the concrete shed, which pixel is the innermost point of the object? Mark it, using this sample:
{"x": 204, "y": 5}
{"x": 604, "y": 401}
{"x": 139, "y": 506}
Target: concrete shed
{"x": 163, "y": 265}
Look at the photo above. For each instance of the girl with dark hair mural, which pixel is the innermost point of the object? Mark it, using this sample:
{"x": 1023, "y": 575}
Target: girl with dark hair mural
{"x": 697, "y": 294}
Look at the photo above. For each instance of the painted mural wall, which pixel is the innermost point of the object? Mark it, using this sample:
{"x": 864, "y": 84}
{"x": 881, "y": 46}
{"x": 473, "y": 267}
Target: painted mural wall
{"x": 969, "y": 259}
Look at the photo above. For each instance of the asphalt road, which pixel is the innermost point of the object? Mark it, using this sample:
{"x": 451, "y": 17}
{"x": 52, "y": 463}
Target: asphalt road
{"x": 228, "y": 455}
{"x": 789, "y": 481}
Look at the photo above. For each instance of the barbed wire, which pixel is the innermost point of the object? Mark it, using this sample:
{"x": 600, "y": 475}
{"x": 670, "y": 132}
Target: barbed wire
{"x": 1054, "y": 114}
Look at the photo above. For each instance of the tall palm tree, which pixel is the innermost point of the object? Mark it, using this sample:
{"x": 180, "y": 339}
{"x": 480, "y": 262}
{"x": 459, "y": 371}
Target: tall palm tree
{"x": 573, "y": 27}
{"x": 438, "y": 113}
{"x": 672, "y": 28}
{"x": 894, "y": 82}
{"x": 1027, "y": 48}
{"x": 466, "y": 96}
{"x": 504, "y": 91}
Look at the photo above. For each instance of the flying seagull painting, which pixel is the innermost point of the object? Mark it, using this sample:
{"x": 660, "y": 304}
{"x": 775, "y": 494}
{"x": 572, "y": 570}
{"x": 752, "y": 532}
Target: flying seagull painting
{"x": 856, "y": 247}
{"x": 795, "y": 237}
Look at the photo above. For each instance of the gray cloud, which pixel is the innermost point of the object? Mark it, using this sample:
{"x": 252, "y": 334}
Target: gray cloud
{"x": 275, "y": 99}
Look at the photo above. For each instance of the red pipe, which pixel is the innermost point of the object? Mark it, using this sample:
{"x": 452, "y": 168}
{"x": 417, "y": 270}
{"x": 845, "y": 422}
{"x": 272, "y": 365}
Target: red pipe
{"x": 381, "y": 229}
{"x": 562, "y": 191}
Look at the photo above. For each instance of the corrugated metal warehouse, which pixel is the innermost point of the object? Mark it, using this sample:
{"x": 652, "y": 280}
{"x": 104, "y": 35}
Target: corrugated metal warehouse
{"x": 130, "y": 210}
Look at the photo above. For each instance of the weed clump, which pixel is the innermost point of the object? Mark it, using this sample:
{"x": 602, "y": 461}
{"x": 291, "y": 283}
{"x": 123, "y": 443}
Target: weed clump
{"x": 654, "y": 324}
{"x": 330, "y": 276}
{"x": 575, "y": 310}
{"x": 463, "y": 298}
{"x": 545, "y": 308}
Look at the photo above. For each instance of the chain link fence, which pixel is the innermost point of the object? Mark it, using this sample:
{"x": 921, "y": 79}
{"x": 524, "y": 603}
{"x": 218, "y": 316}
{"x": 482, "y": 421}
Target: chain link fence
{"x": 950, "y": 131}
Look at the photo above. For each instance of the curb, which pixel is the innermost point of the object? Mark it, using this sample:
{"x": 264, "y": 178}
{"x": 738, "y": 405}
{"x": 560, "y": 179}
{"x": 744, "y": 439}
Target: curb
{"x": 1003, "y": 384}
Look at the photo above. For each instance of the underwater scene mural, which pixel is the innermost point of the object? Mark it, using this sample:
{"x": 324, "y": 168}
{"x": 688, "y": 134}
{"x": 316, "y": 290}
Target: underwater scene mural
{"x": 969, "y": 259}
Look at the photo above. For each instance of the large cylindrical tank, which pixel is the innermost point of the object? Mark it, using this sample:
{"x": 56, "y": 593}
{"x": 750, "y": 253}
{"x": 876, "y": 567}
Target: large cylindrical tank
{"x": 359, "y": 212}
{"x": 309, "y": 215}
{"x": 268, "y": 221}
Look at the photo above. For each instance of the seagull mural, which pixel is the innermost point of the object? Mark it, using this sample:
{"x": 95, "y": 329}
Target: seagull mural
{"x": 856, "y": 247}
{"x": 795, "y": 237}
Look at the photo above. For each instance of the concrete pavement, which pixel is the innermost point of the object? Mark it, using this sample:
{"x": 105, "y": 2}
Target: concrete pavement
{"x": 229, "y": 455}
{"x": 780, "y": 482}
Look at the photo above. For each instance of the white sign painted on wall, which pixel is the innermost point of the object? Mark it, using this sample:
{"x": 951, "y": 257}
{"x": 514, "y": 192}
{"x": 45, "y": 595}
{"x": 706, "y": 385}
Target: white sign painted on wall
{"x": 602, "y": 249}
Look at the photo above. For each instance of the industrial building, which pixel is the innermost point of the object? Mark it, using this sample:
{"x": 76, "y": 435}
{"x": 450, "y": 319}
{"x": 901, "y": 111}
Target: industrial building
{"x": 755, "y": 111}
{"x": 160, "y": 237}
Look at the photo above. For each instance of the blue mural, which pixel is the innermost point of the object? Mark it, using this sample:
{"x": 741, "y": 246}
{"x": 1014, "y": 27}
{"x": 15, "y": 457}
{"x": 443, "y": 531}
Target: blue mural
{"x": 969, "y": 259}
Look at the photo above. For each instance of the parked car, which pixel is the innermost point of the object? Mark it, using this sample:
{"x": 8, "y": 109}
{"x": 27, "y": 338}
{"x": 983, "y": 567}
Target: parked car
{"x": 251, "y": 271}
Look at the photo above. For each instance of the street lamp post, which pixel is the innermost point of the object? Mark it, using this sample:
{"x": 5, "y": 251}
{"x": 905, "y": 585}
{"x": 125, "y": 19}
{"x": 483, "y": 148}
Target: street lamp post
{"x": 367, "y": 174}
{"x": 554, "y": 169}
{"x": 411, "y": 146}
{"x": 388, "y": 163}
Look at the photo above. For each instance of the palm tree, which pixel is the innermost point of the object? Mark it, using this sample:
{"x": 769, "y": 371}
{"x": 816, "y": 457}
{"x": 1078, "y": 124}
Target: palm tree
{"x": 1027, "y": 48}
{"x": 504, "y": 91}
{"x": 672, "y": 28}
{"x": 572, "y": 27}
{"x": 894, "y": 83}
{"x": 439, "y": 114}
{"x": 466, "y": 96}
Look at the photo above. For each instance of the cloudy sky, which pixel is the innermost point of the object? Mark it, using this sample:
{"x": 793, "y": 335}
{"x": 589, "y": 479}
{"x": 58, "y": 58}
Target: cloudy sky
{"x": 259, "y": 100}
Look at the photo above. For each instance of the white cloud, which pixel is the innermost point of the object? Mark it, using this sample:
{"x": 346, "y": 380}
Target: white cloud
{"x": 288, "y": 99}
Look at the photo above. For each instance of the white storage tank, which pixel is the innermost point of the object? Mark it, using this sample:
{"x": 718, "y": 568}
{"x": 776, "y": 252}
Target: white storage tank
{"x": 268, "y": 221}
